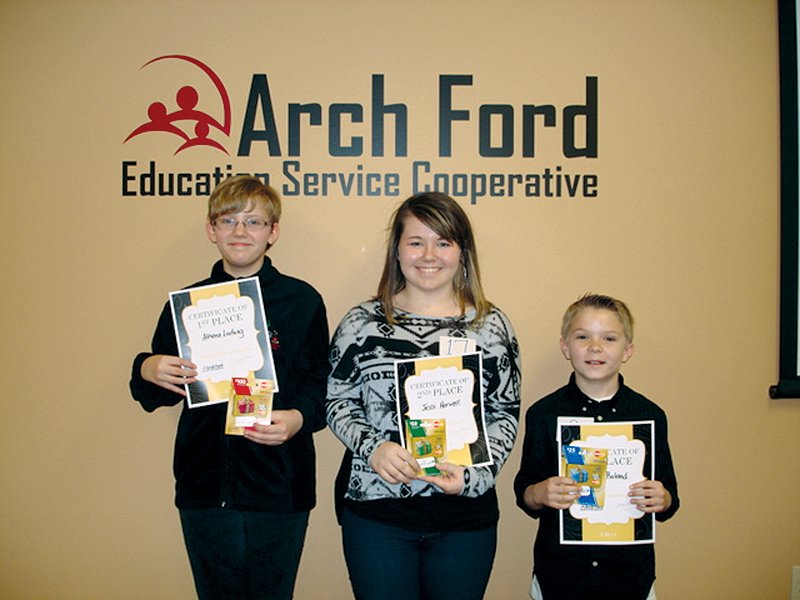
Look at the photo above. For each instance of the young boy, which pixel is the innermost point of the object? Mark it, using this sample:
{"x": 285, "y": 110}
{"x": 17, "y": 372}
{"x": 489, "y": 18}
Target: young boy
{"x": 597, "y": 339}
{"x": 244, "y": 501}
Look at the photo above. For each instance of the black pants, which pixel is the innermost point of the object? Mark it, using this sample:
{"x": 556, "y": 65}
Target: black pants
{"x": 242, "y": 555}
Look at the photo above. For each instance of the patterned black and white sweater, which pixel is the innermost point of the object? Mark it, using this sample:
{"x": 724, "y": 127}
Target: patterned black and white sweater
{"x": 361, "y": 407}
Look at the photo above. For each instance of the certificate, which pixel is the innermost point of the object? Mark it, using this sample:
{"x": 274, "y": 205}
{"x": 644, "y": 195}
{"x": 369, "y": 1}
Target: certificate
{"x": 222, "y": 328}
{"x": 605, "y": 459}
{"x": 445, "y": 389}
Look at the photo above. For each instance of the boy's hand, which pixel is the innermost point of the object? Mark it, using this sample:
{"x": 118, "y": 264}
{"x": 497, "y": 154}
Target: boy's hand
{"x": 556, "y": 492}
{"x": 394, "y": 463}
{"x": 650, "y": 496}
{"x": 169, "y": 372}
{"x": 285, "y": 424}
{"x": 451, "y": 481}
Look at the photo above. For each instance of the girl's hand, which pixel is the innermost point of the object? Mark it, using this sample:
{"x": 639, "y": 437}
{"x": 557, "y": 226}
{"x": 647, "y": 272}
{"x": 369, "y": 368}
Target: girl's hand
{"x": 451, "y": 481}
{"x": 394, "y": 463}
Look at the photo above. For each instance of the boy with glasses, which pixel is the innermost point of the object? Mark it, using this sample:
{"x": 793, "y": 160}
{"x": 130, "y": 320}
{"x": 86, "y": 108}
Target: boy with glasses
{"x": 244, "y": 501}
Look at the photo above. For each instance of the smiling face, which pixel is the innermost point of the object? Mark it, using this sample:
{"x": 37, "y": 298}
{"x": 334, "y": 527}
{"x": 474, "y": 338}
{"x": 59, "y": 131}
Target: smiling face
{"x": 596, "y": 346}
{"x": 243, "y": 246}
{"x": 428, "y": 261}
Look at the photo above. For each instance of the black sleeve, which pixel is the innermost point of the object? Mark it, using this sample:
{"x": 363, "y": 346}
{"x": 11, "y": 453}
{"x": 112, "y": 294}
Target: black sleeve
{"x": 313, "y": 376}
{"x": 665, "y": 471}
{"x": 538, "y": 460}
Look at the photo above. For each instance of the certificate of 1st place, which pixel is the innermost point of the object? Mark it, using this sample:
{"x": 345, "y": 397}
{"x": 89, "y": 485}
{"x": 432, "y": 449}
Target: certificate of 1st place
{"x": 223, "y": 329}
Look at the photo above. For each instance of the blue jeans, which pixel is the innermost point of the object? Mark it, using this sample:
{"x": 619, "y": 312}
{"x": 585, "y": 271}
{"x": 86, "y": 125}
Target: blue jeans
{"x": 243, "y": 555}
{"x": 391, "y": 563}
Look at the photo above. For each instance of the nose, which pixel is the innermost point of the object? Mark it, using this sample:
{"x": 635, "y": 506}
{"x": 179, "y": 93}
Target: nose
{"x": 236, "y": 227}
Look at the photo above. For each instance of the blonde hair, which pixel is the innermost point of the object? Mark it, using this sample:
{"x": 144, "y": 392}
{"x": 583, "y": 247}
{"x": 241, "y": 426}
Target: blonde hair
{"x": 445, "y": 216}
{"x": 601, "y": 302}
{"x": 240, "y": 192}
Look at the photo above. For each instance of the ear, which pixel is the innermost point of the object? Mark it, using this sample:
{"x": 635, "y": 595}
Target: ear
{"x": 274, "y": 234}
{"x": 211, "y": 232}
{"x": 628, "y": 352}
{"x": 564, "y": 348}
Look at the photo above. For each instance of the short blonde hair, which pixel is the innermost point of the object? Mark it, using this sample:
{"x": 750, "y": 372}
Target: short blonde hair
{"x": 240, "y": 192}
{"x": 601, "y": 302}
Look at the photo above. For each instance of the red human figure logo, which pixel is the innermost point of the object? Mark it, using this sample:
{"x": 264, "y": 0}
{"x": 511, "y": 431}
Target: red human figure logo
{"x": 186, "y": 99}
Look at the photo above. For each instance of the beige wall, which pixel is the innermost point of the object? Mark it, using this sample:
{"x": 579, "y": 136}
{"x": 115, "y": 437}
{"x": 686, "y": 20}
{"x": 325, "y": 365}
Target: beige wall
{"x": 684, "y": 229}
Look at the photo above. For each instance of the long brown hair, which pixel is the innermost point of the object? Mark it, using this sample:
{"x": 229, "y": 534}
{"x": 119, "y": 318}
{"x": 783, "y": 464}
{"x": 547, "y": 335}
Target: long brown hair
{"x": 445, "y": 216}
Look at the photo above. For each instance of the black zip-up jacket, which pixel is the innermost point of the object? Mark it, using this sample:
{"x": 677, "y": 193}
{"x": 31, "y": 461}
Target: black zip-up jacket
{"x": 213, "y": 469}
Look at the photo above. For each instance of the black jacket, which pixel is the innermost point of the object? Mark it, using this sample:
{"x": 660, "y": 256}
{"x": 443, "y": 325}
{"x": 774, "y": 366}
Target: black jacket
{"x": 571, "y": 572}
{"x": 213, "y": 469}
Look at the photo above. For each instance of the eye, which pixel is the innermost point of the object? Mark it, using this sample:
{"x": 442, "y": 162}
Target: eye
{"x": 227, "y": 221}
{"x": 444, "y": 244}
{"x": 255, "y": 222}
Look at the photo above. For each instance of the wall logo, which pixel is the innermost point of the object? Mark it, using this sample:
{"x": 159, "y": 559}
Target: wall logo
{"x": 188, "y": 123}
{"x": 366, "y": 145}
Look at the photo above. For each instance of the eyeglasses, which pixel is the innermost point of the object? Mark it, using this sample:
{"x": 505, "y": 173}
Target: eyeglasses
{"x": 250, "y": 223}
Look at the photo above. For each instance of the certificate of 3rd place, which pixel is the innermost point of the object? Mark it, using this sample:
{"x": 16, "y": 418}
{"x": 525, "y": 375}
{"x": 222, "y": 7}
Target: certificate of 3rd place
{"x": 604, "y": 459}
